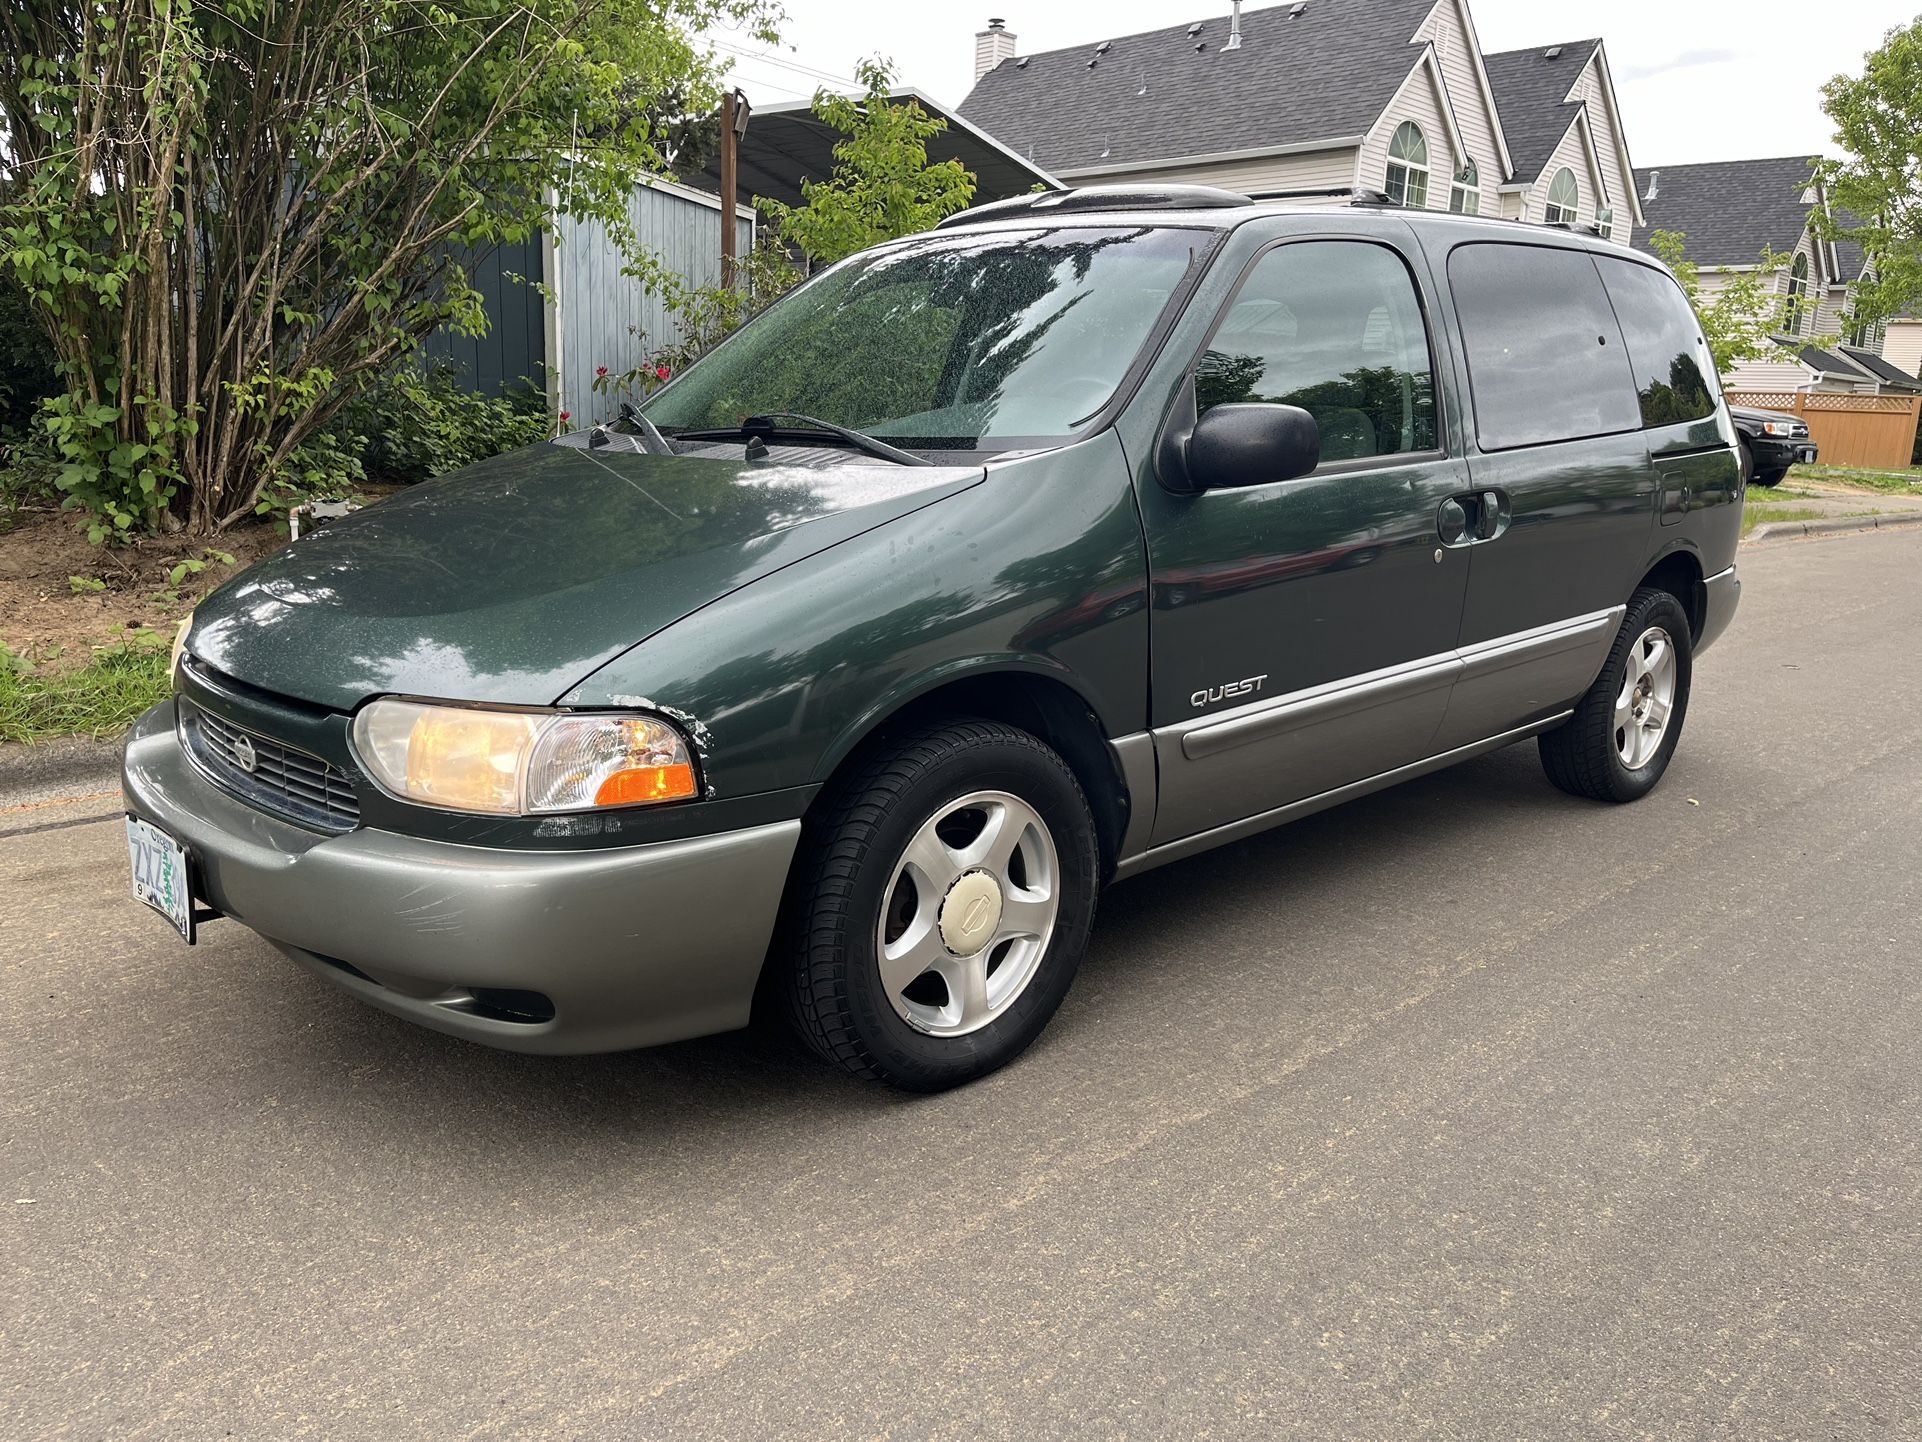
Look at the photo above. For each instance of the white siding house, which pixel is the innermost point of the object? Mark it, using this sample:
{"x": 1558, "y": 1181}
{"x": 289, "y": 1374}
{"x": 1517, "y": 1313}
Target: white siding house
{"x": 1311, "y": 97}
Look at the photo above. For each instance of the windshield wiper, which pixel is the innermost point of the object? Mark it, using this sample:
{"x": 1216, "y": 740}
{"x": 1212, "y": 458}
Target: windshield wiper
{"x": 763, "y": 428}
{"x": 652, "y": 440}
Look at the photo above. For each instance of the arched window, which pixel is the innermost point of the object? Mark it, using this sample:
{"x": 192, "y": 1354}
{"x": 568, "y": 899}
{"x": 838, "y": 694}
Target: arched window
{"x": 1798, "y": 287}
{"x": 1408, "y": 167}
{"x": 1564, "y": 199}
{"x": 1465, "y": 195}
{"x": 1605, "y": 222}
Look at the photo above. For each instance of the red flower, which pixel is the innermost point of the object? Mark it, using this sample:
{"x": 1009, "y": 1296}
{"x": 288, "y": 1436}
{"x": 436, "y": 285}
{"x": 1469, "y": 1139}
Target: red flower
{"x": 600, "y": 370}
{"x": 567, "y": 415}
{"x": 661, "y": 373}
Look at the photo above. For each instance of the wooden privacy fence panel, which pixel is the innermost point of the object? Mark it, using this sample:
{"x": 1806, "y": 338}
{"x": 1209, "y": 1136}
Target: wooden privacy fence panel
{"x": 1876, "y": 432}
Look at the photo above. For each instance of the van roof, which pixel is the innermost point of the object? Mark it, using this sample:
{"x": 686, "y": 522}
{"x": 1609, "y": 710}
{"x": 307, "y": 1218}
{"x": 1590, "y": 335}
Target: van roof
{"x": 1206, "y": 207}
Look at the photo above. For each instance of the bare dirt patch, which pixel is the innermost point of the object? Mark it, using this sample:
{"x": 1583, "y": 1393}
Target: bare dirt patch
{"x": 49, "y": 618}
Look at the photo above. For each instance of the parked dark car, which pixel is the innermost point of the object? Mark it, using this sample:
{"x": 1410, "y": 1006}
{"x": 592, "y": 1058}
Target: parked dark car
{"x": 988, "y": 568}
{"x": 1771, "y": 442}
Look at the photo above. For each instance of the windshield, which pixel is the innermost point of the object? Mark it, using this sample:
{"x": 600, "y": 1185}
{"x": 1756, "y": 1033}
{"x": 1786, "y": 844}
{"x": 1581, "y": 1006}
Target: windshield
{"x": 988, "y": 341}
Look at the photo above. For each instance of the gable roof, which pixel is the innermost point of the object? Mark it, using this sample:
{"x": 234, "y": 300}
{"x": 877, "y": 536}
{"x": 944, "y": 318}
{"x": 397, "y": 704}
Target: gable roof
{"x": 1325, "y": 75}
{"x": 1531, "y": 93}
{"x": 1850, "y": 258}
{"x": 1729, "y": 209}
{"x": 1830, "y": 363}
{"x": 1891, "y": 376}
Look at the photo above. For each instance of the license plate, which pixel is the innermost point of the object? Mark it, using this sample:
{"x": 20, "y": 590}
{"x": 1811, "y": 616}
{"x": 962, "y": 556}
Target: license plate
{"x": 1808, "y": 455}
{"x": 160, "y": 875}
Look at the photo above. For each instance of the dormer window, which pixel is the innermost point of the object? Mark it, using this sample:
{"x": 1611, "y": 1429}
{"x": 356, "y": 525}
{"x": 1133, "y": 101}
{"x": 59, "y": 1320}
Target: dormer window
{"x": 1564, "y": 199}
{"x": 1605, "y": 222}
{"x": 1465, "y": 195}
{"x": 1408, "y": 167}
{"x": 1798, "y": 289}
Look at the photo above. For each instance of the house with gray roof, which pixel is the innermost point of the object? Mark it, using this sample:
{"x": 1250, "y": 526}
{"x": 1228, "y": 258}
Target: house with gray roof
{"x": 1730, "y": 213}
{"x": 1324, "y": 97}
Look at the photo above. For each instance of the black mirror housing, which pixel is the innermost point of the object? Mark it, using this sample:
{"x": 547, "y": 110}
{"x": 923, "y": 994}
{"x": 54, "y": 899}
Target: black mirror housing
{"x": 1252, "y": 445}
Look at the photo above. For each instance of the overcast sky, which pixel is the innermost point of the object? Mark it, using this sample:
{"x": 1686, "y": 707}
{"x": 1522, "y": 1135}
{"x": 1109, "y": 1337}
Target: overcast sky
{"x": 1698, "y": 79}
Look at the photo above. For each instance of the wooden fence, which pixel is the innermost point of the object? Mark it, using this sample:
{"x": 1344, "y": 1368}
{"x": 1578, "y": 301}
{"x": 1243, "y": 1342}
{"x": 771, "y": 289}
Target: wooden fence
{"x": 1876, "y": 432}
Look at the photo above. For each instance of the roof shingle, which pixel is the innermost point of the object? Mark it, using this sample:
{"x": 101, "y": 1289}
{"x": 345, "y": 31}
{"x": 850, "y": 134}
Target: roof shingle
{"x": 1728, "y": 209}
{"x": 1326, "y": 74}
{"x": 1531, "y": 94}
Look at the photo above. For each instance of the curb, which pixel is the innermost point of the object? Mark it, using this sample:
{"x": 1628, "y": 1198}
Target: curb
{"x": 1882, "y": 521}
{"x": 49, "y": 765}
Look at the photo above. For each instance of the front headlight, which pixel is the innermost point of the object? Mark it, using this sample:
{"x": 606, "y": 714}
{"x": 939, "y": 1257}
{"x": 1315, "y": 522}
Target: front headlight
{"x": 1777, "y": 428}
{"x": 180, "y": 647}
{"x": 515, "y": 763}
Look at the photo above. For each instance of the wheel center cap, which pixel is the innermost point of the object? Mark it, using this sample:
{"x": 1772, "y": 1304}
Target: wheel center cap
{"x": 970, "y": 913}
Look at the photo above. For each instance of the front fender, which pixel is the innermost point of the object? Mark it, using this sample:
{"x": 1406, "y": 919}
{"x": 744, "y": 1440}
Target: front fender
{"x": 1040, "y": 569}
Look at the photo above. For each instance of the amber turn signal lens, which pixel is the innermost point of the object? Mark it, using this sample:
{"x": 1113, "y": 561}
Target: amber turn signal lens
{"x": 645, "y": 784}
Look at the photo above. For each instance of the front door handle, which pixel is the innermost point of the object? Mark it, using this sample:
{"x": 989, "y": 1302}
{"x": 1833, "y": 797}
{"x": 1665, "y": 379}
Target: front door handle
{"x": 1478, "y": 516}
{"x": 1491, "y": 515}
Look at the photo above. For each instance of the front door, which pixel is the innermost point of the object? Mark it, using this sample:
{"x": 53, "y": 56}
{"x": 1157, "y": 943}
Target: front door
{"x": 1303, "y": 633}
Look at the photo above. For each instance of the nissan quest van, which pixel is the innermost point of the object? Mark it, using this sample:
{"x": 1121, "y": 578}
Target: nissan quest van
{"x": 987, "y": 568}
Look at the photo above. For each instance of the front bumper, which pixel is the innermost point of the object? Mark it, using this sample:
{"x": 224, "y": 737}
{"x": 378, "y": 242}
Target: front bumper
{"x": 1721, "y": 595}
{"x": 1774, "y": 453}
{"x": 627, "y": 946}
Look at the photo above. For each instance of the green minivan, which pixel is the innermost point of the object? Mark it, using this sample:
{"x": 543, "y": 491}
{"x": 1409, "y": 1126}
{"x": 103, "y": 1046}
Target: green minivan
{"x": 987, "y": 568}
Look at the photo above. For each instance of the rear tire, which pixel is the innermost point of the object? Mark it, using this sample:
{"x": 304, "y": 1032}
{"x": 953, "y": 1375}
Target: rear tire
{"x": 942, "y": 906}
{"x": 1618, "y": 743}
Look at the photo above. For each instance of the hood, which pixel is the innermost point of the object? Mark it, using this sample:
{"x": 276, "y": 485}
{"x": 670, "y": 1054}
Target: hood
{"x": 510, "y": 580}
{"x": 1750, "y": 413}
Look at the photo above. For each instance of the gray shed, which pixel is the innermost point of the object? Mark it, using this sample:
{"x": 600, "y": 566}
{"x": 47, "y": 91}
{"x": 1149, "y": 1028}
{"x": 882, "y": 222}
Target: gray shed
{"x": 560, "y": 306}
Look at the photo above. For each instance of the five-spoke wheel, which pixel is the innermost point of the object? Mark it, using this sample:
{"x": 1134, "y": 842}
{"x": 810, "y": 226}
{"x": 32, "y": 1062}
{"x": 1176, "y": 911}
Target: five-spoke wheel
{"x": 942, "y": 905}
{"x": 1647, "y": 698}
{"x": 1618, "y": 742}
{"x": 970, "y": 911}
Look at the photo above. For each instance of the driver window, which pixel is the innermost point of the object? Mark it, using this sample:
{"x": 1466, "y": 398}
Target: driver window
{"x": 1335, "y": 328}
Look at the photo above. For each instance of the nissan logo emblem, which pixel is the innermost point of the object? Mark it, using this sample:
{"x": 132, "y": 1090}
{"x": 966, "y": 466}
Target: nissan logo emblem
{"x": 244, "y": 756}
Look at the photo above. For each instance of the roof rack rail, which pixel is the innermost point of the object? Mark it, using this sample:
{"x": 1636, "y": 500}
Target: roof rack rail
{"x": 1101, "y": 197}
{"x": 1575, "y": 227}
{"x": 1326, "y": 192}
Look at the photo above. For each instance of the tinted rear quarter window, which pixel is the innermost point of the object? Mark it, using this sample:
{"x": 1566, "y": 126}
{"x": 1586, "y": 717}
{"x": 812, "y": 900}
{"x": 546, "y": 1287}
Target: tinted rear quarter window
{"x": 1674, "y": 372}
{"x": 1545, "y": 357}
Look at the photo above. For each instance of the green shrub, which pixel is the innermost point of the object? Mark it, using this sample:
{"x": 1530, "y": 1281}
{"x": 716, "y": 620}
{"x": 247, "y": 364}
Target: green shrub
{"x": 415, "y": 425}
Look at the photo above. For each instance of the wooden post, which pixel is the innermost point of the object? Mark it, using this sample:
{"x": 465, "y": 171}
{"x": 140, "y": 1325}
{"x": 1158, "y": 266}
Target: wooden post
{"x": 730, "y": 164}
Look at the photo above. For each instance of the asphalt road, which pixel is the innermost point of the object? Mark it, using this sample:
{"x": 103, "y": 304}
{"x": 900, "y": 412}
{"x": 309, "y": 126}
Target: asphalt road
{"x": 1467, "y": 1110}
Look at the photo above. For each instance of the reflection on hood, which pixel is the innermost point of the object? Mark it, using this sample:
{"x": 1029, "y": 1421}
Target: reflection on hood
{"x": 508, "y": 581}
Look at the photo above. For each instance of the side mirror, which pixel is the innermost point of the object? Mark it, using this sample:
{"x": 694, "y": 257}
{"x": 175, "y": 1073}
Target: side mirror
{"x": 1252, "y": 445}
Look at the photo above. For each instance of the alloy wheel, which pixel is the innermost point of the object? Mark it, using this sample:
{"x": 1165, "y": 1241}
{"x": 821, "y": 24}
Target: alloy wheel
{"x": 969, "y": 913}
{"x": 1647, "y": 698}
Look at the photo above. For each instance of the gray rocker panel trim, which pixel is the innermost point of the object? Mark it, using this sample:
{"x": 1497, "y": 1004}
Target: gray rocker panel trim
{"x": 1250, "y": 826}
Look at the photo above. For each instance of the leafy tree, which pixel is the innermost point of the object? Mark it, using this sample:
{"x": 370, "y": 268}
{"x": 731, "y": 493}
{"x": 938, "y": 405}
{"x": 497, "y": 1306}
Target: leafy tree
{"x": 1878, "y": 188}
{"x": 232, "y": 216}
{"x": 882, "y": 186}
{"x": 1740, "y": 320}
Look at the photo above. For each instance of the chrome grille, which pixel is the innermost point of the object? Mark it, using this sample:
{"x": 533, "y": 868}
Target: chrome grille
{"x": 289, "y": 783}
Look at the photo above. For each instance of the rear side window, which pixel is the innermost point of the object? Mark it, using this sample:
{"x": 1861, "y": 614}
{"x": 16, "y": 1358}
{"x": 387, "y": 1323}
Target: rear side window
{"x": 1665, "y": 347}
{"x": 1335, "y": 328}
{"x": 1545, "y": 356}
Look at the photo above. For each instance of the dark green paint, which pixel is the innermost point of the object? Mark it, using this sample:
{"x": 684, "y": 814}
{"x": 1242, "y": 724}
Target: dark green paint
{"x": 511, "y": 580}
{"x": 789, "y": 610}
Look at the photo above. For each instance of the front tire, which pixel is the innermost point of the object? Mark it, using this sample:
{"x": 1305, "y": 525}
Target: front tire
{"x": 1748, "y": 461}
{"x": 1768, "y": 480}
{"x": 1618, "y": 743}
{"x": 943, "y": 906}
